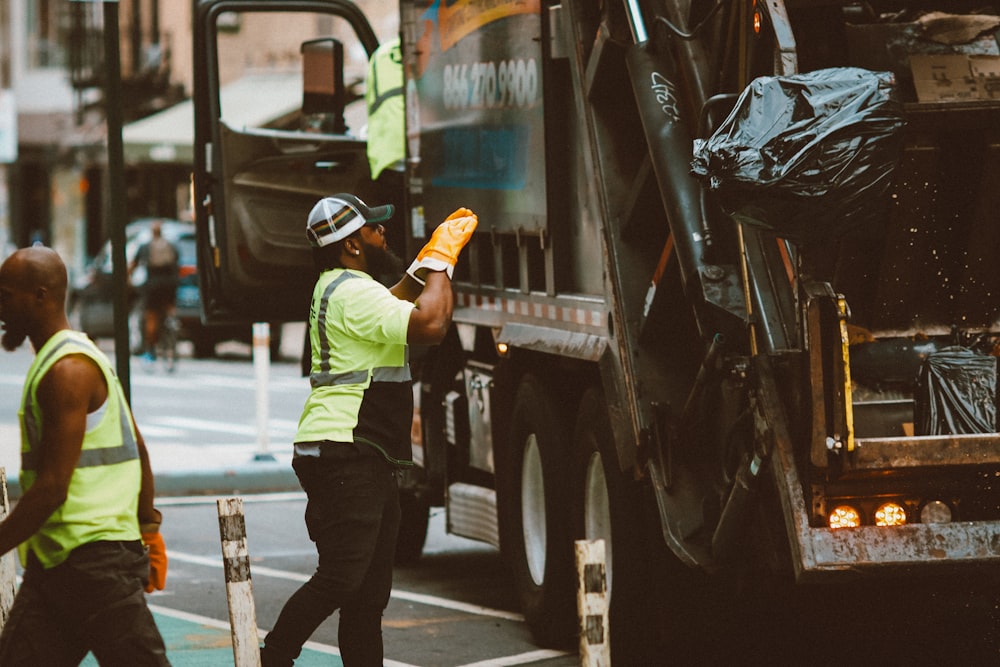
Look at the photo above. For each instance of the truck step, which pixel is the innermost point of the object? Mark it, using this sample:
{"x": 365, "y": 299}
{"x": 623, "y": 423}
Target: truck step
{"x": 472, "y": 513}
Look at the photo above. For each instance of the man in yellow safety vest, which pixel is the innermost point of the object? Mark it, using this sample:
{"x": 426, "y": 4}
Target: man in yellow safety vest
{"x": 354, "y": 432}
{"x": 86, "y": 518}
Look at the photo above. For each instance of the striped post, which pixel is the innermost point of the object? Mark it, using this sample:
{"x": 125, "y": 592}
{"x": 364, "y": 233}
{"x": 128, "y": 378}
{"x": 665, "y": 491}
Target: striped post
{"x": 262, "y": 370}
{"x": 239, "y": 588}
{"x": 8, "y": 569}
{"x": 592, "y": 604}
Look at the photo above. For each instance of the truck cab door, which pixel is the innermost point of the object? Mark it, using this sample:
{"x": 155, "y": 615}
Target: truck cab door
{"x": 279, "y": 123}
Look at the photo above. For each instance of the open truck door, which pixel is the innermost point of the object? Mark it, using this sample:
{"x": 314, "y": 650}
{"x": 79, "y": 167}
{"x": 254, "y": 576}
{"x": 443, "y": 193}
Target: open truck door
{"x": 257, "y": 175}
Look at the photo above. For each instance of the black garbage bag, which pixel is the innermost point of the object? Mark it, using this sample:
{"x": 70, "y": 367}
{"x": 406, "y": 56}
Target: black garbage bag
{"x": 808, "y": 156}
{"x": 956, "y": 393}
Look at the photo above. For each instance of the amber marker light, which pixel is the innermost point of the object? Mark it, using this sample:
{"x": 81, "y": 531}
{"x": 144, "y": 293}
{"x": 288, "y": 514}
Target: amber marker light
{"x": 935, "y": 511}
{"x": 890, "y": 514}
{"x": 844, "y": 516}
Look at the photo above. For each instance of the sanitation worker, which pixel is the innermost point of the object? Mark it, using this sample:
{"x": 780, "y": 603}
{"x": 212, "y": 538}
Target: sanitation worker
{"x": 354, "y": 432}
{"x": 385, "y": 133}
{"x": 87, "y": 531}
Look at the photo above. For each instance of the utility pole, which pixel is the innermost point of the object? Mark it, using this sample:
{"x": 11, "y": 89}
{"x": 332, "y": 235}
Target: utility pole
{"x": 116, "y": 191}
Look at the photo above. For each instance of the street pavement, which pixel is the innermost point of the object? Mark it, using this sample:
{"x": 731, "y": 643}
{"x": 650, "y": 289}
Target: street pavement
{"x": 229, "y": 465}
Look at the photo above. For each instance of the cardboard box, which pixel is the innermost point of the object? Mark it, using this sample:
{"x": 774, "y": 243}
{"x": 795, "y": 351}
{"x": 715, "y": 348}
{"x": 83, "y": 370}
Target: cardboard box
{"x": 943, "y": 78}
{"x": 955, "y": 77}
{"x": 986, "y": 70}
{"x": 904, "y": 50}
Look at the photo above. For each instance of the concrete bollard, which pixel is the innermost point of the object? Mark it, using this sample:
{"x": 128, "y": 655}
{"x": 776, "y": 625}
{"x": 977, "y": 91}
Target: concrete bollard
{"x": 8, "y": 568}
{"x": 592, "y": 604}
{"x": 239, "y": 588}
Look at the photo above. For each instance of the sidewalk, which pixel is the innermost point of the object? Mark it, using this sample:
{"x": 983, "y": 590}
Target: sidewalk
{"x": 188, "y": 470}
{"x": 179, "y": 469}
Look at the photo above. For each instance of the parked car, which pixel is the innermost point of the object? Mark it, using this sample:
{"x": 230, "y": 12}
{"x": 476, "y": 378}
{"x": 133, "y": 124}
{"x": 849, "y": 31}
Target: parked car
{"x": 92, "y": 299}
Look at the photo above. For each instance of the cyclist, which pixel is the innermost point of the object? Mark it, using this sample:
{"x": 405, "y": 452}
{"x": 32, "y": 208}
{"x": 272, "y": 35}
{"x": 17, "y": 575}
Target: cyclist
{"x": 159, "y": 292}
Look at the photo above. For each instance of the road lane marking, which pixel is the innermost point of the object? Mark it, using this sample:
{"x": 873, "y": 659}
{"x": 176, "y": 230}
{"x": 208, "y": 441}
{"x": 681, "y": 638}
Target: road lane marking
{"x": 186, "y": 382}
{"x": 223, "y": 625}
{"x": 522, "y": 659}
{"x": 419, "y": 598}
{"x": 153, "y": 431}
{"x": 253, "y": 498}
{"x": 275, "y": 426}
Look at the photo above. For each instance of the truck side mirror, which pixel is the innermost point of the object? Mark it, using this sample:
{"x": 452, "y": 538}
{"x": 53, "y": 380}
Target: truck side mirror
{"x": 323, "y": 85}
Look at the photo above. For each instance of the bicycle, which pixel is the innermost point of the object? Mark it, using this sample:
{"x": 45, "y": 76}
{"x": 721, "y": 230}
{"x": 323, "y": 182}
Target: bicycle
{"x": 165, "y": 349}
{"x": 166, "y": 345}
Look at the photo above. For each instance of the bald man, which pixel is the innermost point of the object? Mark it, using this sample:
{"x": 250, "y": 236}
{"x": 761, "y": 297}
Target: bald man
{"x": 86, "y": 518}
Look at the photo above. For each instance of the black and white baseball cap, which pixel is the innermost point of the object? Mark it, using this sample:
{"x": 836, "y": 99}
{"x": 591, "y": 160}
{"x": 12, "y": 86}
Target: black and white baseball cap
{"x": 337, "y": 217}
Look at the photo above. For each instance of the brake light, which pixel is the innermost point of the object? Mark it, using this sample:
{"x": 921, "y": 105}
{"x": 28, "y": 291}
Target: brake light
{"x": 844, "y": 516}
{"x": 187, "y": 270}
{"x": 890, "y": 514}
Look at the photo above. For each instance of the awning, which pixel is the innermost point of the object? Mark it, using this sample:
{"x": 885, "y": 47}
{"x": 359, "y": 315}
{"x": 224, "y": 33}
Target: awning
{"x": 257, "y": 100}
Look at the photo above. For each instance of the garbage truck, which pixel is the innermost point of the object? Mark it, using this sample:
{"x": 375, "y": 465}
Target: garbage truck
{"x": 733, "y": 299}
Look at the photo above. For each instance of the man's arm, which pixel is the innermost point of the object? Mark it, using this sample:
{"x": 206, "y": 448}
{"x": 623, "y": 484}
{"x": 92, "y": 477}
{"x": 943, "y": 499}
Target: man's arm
{"x": 430, "y": 319}
{"x": 149, "y": 522}
{"x": 407, "y": 289}
{"x": 427, "y": 282}
{"x": 139, "y": 258}
{"x": 147, "y": 492}
{"x": 64, "y": 395}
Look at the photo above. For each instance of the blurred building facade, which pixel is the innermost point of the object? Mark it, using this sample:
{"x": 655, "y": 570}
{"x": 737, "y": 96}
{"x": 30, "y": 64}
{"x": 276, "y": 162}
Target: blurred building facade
{"x": 52, "y": 66}
{"x": 53, "y": 134}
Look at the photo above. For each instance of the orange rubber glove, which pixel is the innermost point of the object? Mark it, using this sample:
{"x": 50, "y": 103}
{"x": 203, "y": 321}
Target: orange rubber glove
{"x": 157, "y": 551}
{"x": 446, "y": 243}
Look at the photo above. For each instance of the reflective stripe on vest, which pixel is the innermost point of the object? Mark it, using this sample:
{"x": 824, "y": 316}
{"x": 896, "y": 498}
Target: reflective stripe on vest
{"x": 324, "y": 378}
{"x": 390, "y": 61}
{"x": 101, "y": 456}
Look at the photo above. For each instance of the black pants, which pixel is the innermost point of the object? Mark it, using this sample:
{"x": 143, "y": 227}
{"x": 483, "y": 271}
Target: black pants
{"x": 93, "y": 601}
{"x": 353, "y": 516}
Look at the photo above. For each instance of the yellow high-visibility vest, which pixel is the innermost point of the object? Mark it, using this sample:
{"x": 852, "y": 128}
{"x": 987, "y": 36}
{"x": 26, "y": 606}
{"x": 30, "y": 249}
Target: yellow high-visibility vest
{"x": 386, "y": 107}
{"x": 103, "y": 496}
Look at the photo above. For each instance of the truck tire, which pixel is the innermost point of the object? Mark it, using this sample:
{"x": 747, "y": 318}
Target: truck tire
{"x": 608, "y": 507}
{"x": 274, "y": 344}
{"x": 204, "y": 343}
{"x": 535, "y": 533}
{"x": 415, "y": 512}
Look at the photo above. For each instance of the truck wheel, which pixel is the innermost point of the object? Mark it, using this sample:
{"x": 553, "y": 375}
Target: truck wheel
{"x": 533, "y": 513}
{"x": 412, "y": 527}
{"x": 609, "y": 508}
{"x": 204, "y": 343}
{"x": 274, "y": 344}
